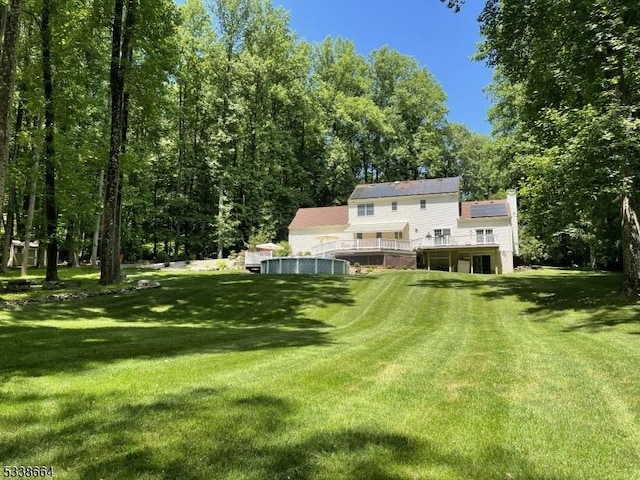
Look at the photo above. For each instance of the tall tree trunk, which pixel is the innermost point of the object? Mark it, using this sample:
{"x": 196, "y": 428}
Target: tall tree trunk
{"x": 120, "y": 49}
{"x": 11, "y": 224}
{"x": 7, "y": 84}
{"x": 72, "y": 242}
{"x": 96, "y": 232}
{"x": 155, "y": 221}
{"x": 630, "y": 243}
{"x": 630, "y": 238}
{"x": 30, "y": 211}
{"x": 49, "y": 150}
{"x": 125, "y": 125}
{"x": 107, "y": 275}
{"x": 13, "y": 201}
{"x": 117, "y": 239}
{"x": 3, "y": 22}
{"x": 220, "y": 216}
{"x": 181, "y": 156}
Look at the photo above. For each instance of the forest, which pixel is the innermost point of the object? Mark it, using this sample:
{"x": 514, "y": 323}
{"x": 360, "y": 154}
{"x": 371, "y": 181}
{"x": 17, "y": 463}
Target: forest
{"x": 180, "y": 132}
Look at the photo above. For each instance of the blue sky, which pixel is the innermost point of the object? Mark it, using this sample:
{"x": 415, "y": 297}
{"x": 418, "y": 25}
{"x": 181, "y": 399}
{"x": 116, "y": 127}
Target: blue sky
{"x": 440, "y": 40}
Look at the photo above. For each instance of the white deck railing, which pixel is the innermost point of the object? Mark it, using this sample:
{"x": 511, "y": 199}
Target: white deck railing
{"x": 365, "y": 244}
{"x": 473, "y": 240}
{"x": 381, "y": 244}
{"x": 254, "y": 258}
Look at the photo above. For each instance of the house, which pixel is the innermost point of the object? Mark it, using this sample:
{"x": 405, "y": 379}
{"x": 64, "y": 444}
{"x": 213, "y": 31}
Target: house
{"x": 418, "y": 223}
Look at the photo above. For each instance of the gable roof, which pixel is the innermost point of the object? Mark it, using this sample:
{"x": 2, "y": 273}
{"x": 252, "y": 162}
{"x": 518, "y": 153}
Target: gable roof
{"x": 411, "y": 187}
{"x": 485, "y": 209}
{"x": 320, "y": 216}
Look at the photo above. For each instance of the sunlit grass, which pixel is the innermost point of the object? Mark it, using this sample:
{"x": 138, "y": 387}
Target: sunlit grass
{"x": 390, "y": 376}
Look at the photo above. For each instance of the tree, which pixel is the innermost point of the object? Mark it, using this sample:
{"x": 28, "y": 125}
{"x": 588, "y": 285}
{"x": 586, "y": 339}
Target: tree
{"x": 121, "y": 55}
{"x": 51, "y": 210}
{"x": 211, "y": 134}
{"x": 187, "y": 173}
{"x": 473, "y": 157}
{"x": 341, "y": 84}
{"x": 233, "y": 17}
{"x": 8, "y": 59}
{"x": 582, "y": 103}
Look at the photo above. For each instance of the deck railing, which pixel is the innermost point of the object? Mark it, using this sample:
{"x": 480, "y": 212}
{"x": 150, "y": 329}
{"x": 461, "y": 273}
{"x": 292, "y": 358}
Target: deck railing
{"x": 254, "y": 258}
{"x": 365, "y": 244}
{"x": 382, "y": 244}
{"x": 455, "y": 241}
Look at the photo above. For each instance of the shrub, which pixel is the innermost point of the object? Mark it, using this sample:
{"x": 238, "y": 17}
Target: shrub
{"x": 285, "y": 251}
{"x": 221, "y": 264}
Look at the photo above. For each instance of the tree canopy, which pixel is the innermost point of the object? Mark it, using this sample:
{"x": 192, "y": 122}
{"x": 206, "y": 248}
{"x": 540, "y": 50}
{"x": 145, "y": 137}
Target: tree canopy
{"x": 190, "y": 130}
{"x": 567, "y": 98}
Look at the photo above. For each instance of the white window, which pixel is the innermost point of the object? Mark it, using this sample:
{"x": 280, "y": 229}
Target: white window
{"x": 423, "y": 204}
{"x": 398, "y": 235}
{"x": 441, "y": 236}
{"x": 378, "y": 234}
{"x": 365, "y": 209}
{"x": 394, "y": 206}
{"x": 359, "y": 236}
{"x": 484, "y": 236}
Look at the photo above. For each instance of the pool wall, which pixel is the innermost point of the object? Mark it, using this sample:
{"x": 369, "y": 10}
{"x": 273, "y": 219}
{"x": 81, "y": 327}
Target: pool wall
{"x": 304, "y": 265}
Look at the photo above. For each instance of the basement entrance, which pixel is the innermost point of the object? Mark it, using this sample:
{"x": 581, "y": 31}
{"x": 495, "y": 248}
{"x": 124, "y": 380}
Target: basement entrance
{"x": 481, "y": 264}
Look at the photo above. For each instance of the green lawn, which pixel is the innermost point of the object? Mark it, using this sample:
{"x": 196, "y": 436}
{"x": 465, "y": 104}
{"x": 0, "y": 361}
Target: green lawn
{"x": 395, "y": 375}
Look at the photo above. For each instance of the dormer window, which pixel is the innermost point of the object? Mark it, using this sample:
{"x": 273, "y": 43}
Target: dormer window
{"x": 365, "y": 209}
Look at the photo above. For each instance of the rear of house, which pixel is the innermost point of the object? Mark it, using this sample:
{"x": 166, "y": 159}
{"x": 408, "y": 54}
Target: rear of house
{"x": 419, "y": 223}
{"x": 483, "y": 239}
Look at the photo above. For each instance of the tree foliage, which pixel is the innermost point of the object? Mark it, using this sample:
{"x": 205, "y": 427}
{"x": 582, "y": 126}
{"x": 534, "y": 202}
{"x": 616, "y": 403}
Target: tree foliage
{"x": 570, "y": 77}
{"x": 212, "y": 124}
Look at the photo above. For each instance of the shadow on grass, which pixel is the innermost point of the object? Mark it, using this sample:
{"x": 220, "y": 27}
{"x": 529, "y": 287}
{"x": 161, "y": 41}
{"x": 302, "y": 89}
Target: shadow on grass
{"x": 557, "y": 292}
{"x": 207, "y": 433}
{"x": 190, "y": 313}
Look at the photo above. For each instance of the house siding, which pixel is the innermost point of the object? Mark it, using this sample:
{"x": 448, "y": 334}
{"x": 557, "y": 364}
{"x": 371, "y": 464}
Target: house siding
{"x": 502, "y": 232}
{"x": 302, "y": 240}
{"x": 441, "y": 212}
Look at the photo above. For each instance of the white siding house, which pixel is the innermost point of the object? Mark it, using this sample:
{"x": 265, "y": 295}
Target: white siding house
{"x": 315, "y": 227}
{"x": 414, "y": 223}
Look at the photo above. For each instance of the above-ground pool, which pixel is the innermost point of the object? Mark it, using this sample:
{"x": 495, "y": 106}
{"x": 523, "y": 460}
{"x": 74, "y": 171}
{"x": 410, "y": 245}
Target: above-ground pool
{"x": 304, "y": 265}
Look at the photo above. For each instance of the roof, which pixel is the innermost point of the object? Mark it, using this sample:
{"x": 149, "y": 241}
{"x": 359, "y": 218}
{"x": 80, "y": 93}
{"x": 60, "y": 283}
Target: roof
{"x": 411, "y": 187}
{"x": 485, "y": 209}
{"x": 320, "y": 216}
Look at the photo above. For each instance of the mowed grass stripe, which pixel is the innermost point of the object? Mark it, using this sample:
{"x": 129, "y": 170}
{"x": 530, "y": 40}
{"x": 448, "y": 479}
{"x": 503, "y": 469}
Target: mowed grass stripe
{"x": 415, "y": 364}
{"x": 463, "y": 412}
{"x": 362, "y": 405}
{"x": 387, "y": 343}
{"x": 555, "y": 368}
{"x": 581, "y": 378}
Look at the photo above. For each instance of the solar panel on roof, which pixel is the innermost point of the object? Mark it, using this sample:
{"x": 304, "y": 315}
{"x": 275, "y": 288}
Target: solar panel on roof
{"x": 489, "y": 210}
{"x": 413, "y": 187}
